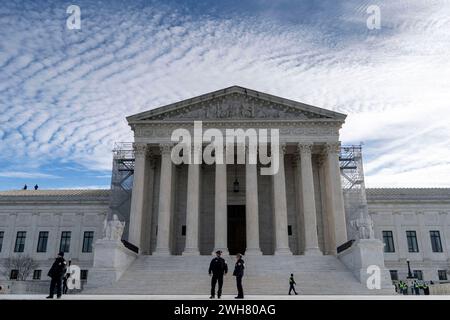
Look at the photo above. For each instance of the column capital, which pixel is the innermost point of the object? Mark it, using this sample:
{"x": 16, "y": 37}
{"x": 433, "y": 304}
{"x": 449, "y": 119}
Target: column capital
{"x": 304, "y": 147}
{"x": 165, "y": 148}
{"x": 333, "y": 147}
{"x": 140, "y": 149}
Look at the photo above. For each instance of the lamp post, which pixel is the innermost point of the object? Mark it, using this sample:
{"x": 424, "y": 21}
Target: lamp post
{"x": 410, "y": 275}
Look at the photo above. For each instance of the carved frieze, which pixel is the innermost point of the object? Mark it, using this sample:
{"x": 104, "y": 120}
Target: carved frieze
{"x": 236, "y": 106}
{"x": 161, "y": 130}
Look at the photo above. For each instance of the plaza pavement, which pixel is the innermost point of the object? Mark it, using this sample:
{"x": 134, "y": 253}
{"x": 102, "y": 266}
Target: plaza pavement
{"x": 226, "y": 297}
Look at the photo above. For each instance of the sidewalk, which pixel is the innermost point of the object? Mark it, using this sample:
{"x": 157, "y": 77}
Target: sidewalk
{"x": 226, "y": 297}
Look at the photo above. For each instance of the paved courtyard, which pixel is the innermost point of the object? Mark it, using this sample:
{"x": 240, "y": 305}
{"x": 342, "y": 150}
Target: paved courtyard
{"x": 226, "y": 297}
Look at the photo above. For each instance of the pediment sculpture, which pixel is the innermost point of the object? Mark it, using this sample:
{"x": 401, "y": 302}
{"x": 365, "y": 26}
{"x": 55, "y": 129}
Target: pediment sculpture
{"x": 236, "y": 106}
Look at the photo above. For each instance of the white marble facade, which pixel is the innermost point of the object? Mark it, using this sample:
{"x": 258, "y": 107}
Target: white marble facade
{"x": 167, "y": 199}
{"x": 396, "y": 210}
{"x": 185, "y": 209}
{"x": 422, "y": 211}
{"x": 55, "y": 212}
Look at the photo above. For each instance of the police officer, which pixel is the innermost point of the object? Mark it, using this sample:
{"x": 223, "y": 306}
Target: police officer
{"x": 239, "y": 273}
{"x": 218, "y": 267}
{"x": 416, "y": 288}
{"x": 57, "y": 272}
{"x": 403, "y": 287}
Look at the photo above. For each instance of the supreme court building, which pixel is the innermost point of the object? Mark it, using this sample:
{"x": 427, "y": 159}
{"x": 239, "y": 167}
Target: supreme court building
{"x": 193, "y": 209}
{"x": 299, "y": 220}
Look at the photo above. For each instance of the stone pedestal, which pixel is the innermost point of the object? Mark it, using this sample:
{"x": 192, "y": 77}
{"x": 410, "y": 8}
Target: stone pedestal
{"x": 362, "y": 254}
{"x": 111, "y": 259}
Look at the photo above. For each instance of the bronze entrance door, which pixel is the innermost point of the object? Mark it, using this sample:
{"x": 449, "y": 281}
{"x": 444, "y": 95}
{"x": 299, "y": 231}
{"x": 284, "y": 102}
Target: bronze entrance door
{"x": 236, "y": 229}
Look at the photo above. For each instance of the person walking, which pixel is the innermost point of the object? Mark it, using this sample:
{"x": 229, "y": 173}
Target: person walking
{"x": 65, "y": 287}
{"x": 57, "y": 272}
{"x": 217, "y": 268}
{"x": 239, "y": 273}
{"x": 292, "y": 284}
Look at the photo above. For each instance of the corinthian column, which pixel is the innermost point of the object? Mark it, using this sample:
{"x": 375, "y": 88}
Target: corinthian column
{"x": 280, "y": 207}
{"x": 334, "y": 193}
{"x": 220, "y": 212}
{"x": 192, "y": 208}
{"x": 251, "y": 208}
{"x": 308, "y": 200}
{"x": 165, "y": 202}
{"x": 138, "y": 194}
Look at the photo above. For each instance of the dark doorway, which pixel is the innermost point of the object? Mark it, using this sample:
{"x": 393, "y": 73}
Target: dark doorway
{"x": 236, "y": 229}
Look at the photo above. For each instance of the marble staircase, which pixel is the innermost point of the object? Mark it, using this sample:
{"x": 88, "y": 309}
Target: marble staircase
{"x": 166, "y": 275}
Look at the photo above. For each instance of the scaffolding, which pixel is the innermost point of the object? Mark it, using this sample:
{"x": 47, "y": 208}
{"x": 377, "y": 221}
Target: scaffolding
{"x": 122, "y": 182}
{"x": 352, "y": 179}
{"x": 353, "y": 186}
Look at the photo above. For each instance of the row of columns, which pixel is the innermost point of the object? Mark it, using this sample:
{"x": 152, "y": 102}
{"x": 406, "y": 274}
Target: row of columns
{"x": 334, "y": 209}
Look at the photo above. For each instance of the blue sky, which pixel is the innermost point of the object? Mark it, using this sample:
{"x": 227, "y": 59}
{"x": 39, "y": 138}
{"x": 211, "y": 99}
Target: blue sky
{"x": 64, "y": 94}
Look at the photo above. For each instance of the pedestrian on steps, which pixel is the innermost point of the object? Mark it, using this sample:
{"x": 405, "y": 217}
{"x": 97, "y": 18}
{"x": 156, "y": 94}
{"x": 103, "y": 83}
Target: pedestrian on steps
{"x": 239, "y": 273}
{"x": 292, "y": 284}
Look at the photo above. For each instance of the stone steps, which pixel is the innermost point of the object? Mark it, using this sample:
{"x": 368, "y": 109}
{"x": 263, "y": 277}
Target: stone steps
{"x": 263, "y": 275}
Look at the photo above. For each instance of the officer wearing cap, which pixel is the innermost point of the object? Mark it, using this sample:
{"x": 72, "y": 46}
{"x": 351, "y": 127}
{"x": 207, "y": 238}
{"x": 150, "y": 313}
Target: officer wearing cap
{"x": 217, "y": 268}
{"x": 239, "y": 273}
{"x": 57, "y": 272}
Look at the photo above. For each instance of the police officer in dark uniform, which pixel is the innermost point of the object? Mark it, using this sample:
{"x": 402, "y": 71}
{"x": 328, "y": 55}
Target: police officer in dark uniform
{"x": 239, "y": 273}
{"x": 57, "y": 272}
{"x": 218, "y": 267}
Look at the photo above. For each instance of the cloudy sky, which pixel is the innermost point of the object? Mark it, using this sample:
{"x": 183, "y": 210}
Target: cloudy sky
{"x": 64, "y": 94}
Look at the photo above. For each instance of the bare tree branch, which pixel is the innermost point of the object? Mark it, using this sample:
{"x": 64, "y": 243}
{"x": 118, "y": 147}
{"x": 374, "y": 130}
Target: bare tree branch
{"x": 24, "y": 265}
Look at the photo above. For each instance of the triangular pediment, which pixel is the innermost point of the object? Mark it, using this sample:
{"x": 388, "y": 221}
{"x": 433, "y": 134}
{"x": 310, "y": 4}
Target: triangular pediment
{"x": 236, "y": 103}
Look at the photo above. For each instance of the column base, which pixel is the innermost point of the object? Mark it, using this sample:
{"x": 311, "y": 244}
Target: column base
{"x": 313, "y": 252}
{"x": 283, "y": 252}
{"x": 161, "y": 252}
{"x": 253, "y": 252}
{"x": 190, "y": 252}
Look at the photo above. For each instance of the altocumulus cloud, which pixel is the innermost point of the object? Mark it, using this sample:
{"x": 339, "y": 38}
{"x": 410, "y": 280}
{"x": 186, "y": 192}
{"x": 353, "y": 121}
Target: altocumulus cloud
{"x": 64, "y": 94}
